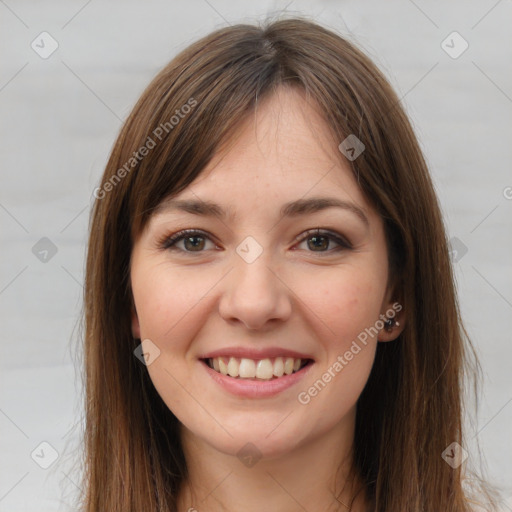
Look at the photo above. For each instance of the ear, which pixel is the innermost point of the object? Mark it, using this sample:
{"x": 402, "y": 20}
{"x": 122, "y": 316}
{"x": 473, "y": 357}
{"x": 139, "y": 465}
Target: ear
{"x": 395, "y": 314}
{"x": 135, "y": 325}
{"x": 392, "y": 312}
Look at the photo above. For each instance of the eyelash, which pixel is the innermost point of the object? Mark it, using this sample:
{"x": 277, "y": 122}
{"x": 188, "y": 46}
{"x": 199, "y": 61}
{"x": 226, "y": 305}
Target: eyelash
{"x": 169, "y": 242}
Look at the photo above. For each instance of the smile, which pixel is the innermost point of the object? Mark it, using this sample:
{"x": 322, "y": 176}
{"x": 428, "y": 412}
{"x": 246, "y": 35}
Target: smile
{"x": 256, "y": 369}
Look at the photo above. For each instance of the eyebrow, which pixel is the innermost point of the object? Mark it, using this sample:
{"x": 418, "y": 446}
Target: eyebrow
{"x": 291, "y": 209}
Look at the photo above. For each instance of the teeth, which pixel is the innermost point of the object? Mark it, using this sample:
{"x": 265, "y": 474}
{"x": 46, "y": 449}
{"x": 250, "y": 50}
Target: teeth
{"x": 223, "y": 367}
{"x": 247, "y": 369}
{"x": 233, "y": 367}
{"x": 279, "y": 367}
{"x": 264, "y": 369}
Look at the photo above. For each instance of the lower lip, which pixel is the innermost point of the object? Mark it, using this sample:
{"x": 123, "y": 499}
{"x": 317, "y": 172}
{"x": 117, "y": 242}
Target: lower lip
{"x": 256, "y": 388}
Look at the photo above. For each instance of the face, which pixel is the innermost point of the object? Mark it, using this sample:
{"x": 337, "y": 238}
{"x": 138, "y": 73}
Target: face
{"x": 262, "y": 317}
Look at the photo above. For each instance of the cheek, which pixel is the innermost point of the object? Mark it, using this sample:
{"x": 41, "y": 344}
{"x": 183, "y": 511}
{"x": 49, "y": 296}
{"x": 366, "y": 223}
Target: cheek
{"x": 167, "y": 303}
{"x": 345, "y": 301}
{"x": 169, "y": 307}
{"x": 347, "y": 307}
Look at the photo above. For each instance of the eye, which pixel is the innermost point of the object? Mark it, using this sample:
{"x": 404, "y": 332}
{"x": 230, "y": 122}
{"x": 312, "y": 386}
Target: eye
{"x": 194, "y": 241}
{"x": 320, "y": 240}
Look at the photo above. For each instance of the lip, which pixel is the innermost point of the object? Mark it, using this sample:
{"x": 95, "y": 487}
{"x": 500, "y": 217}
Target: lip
{"x": 253, "y": 388}
{"x": 253, "y": 353}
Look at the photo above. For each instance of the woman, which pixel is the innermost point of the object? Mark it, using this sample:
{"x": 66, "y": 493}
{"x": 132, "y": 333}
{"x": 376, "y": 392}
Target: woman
{"x": 271, "y": 319}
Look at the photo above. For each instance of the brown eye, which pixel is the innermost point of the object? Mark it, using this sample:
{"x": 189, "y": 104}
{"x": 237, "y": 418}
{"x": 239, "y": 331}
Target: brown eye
{"x": 321, "y": 241}
{"x": 318, "y": 242}
{"x": 193, "y": 241}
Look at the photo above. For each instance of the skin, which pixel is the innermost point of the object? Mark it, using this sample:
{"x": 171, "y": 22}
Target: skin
{"x": 294, "y": 295}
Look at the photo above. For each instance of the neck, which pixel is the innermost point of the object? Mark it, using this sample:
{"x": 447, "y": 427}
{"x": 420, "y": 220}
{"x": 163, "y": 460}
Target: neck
{"x": 309, "y": 477}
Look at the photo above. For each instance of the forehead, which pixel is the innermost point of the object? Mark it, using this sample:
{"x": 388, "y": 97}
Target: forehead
{"x": 282, "y": 152}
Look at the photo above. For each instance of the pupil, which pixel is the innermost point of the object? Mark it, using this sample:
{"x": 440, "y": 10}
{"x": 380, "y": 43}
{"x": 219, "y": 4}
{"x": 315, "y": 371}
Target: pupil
{"x": 319, "y": 242}
{"x": 194, "y": 245}
{"x": 321, "y": 246}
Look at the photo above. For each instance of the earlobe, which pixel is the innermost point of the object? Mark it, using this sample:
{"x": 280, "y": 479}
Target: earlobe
{"x": 135, "y": 325}
{"x": 393, "y": 321}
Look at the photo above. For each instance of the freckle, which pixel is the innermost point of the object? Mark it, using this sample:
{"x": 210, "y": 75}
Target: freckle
{"x": 354, "y": 301}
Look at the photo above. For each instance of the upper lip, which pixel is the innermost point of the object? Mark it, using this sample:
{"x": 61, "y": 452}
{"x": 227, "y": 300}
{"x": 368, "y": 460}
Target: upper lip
{"x": 254, "y": 353}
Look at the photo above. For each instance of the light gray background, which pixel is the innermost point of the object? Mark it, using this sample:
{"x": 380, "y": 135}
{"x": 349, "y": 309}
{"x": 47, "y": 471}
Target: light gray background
{"x": 60, "y": 117}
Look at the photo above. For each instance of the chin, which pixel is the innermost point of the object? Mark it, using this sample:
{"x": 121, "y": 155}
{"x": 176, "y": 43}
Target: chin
{"x": 262, "y": 436}
{"x": 251, "y": 449}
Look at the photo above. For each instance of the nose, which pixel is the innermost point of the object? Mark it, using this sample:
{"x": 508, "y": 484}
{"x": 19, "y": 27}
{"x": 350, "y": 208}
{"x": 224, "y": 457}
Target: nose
{"x": 255, "y": 295}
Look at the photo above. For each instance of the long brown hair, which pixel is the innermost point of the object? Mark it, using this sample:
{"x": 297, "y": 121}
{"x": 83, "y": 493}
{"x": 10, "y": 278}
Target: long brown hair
{"x": 411, "y": 409}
